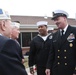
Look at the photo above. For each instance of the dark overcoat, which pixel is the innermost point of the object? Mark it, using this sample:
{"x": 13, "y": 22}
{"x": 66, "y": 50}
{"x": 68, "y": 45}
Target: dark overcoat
{"x": 10, "y": 57}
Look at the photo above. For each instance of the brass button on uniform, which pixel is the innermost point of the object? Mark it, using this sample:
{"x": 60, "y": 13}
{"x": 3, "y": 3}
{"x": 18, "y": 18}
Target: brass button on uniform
{"x": 64, "y": 50}
{"x": 65, "y": 63}
{"x": 58, "y": 63}
{"x": 58, "y": 56}
{"x": 71, "y": 45}
{"x": 58, "y": 50}
{"x": 65, "y": 57}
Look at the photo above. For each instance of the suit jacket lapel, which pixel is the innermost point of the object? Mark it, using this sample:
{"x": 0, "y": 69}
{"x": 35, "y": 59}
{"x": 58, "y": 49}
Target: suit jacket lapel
{"x": 67, "y": 33}
{"x": 58, "y": 39}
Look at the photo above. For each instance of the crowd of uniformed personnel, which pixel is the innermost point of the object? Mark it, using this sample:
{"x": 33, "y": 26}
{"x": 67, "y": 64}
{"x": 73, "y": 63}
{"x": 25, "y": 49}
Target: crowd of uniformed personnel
{"x": 58, "y": 58}
{"x": 51, "y": 53}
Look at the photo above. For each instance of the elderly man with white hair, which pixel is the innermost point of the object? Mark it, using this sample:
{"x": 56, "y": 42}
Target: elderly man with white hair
{"x": 15, "y": 30}
{"x": 15, "y": 35}
{"x": 10, "y": 60}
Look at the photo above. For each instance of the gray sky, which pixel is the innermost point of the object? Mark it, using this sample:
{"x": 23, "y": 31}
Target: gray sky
{"x": 38, "y": 7}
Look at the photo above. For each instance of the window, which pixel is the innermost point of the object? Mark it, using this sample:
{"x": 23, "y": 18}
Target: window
{"x": 25, "y": 38}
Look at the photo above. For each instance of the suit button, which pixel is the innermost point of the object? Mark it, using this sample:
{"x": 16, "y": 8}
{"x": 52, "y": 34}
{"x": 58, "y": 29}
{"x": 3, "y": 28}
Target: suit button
{"x": 65, "y": 63}
{"x": 58, "y": 56}
{"x": 65, "y": 57}
{"x": 58, "y": 50}
{"x": 64, "y": 50}
{"x": 58, "y": 63}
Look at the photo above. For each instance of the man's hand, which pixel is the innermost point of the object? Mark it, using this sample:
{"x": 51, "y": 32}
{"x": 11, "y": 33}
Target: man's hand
{"x": 31, "y": 70}
{"x": 47, "y": 71}
{"x": 23, "y": 60}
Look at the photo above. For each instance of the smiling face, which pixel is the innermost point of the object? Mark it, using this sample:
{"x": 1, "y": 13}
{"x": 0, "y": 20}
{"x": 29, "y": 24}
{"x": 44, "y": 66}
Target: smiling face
{"x": 42, "y": 30}
{"x": 60, "y": 22}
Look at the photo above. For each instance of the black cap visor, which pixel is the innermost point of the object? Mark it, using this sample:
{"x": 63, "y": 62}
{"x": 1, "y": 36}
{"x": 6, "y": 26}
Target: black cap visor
{"x": 58, "y": 15}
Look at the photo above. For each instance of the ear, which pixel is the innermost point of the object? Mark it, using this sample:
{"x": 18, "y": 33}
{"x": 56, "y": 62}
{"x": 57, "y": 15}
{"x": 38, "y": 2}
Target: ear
{"x": 3, "y": 26}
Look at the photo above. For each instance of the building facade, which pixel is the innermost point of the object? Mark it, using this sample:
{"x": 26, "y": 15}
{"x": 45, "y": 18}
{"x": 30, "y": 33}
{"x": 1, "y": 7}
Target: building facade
{"x": 28, "y": 28}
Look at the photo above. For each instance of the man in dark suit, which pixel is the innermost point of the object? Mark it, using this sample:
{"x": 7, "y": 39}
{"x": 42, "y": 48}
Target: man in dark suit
{"x": 10, "y": 60}
{"x": 15, "y": 35}
{"x": 62, "y": 57}
{"x": 39, "y": 49}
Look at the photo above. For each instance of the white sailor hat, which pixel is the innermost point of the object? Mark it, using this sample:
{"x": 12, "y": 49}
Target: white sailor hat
{"x": 15, "y": 24}
{"x": 4, "y": 15}
{"x": 41, "y": 23}
{"x": 58, "y": 13}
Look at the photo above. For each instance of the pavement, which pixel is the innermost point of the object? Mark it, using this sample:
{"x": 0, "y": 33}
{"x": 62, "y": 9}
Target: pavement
{"x": 27, "y": 66}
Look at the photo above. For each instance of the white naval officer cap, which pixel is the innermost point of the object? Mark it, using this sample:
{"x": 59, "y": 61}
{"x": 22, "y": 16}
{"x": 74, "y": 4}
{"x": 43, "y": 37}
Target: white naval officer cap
{"x": 15, "y": 24}
{"x": 58, "y": 13}
{"x": 4, "y": 15}
{"x": 41, "y": 23}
